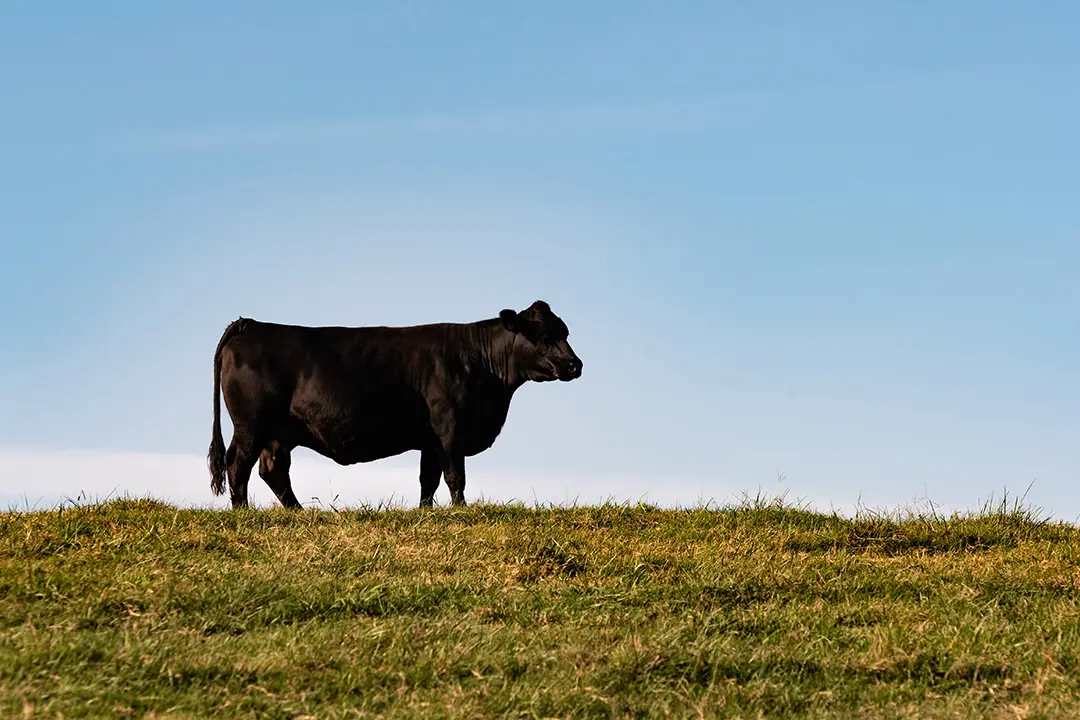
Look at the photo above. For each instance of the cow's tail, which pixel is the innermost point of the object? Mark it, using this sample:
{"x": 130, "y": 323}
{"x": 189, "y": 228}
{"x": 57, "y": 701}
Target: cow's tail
{"x": 216, "y": 456}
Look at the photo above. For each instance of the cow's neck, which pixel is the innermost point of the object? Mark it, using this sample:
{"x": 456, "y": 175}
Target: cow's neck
{"x": 496, "y": 347}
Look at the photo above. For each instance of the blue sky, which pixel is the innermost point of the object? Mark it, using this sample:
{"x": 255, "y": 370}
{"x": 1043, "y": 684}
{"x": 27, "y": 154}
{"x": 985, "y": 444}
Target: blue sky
{"x": 832, "y": 241}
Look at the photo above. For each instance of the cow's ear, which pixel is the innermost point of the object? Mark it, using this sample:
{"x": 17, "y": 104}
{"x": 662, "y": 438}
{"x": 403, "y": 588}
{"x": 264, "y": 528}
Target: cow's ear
{"x": 509, "y": 320}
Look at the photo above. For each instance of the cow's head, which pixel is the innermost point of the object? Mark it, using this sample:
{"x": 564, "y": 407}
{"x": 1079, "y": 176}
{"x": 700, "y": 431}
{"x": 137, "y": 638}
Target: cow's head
{"x": 541, "y": 352}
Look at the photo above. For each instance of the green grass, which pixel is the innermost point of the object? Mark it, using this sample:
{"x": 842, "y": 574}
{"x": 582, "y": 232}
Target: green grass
{"x": 135, "y": 608}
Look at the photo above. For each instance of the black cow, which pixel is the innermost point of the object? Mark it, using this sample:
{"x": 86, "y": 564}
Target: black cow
{"x": 358, "y": 394}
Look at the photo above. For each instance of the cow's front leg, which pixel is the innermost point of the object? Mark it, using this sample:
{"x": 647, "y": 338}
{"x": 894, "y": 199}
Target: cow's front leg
{"x": 445, "y": 425}
{"x": 454, "y": 472}
{"x": 431, "y": 468}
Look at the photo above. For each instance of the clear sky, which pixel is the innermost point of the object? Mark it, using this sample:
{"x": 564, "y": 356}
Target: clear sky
{"x": 837, "y": 242}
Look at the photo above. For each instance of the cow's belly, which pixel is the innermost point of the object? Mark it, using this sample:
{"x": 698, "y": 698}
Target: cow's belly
{"x": 362, "y": 449}
{"x": 363, "y": 430}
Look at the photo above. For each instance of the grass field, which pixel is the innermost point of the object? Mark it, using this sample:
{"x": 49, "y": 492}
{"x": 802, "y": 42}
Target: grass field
{"x": 134, "y": 608}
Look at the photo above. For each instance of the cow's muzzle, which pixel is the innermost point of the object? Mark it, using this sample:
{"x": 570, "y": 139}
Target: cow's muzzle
{"x": 569, "y": 370}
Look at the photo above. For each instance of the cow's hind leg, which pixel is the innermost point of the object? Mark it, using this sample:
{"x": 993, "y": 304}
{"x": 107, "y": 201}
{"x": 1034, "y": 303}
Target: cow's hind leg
{"x": 430, "y": 474}
{"x": 243, "y": 453}
{"x": 274, "y": 463}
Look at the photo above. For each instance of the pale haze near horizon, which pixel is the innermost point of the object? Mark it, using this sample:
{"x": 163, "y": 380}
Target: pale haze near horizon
{"x": 829, "y": 251}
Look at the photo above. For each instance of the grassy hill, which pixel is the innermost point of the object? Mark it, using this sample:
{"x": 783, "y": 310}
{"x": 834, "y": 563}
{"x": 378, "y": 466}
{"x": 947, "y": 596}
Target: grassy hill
{"x": 134, "y": 608}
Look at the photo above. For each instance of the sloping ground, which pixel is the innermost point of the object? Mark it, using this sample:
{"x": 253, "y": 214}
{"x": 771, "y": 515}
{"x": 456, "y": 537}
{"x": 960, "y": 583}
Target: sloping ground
{"x": 133, "y": 608}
